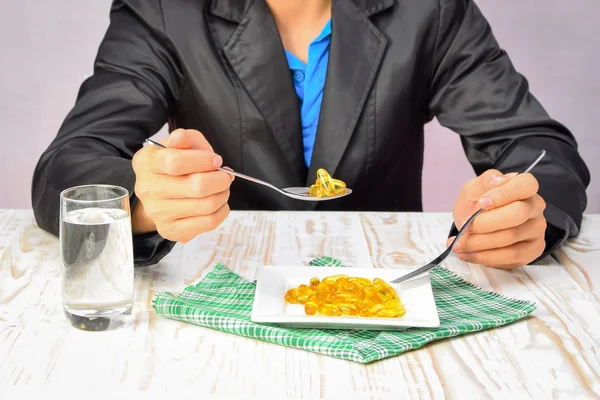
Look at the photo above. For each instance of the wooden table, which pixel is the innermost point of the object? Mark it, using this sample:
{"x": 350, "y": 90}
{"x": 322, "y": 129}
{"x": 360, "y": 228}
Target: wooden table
{"x": 553, "y": 354}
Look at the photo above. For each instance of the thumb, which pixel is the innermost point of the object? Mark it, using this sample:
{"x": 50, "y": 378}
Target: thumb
{"x": 188, "y": 139}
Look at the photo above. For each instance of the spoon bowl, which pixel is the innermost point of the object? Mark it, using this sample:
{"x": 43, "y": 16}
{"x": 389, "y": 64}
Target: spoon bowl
{"x": 301, "y": 193}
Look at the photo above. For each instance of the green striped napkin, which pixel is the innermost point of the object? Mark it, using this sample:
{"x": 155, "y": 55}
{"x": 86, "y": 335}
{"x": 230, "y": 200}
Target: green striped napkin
{"x": 223, "y": 300}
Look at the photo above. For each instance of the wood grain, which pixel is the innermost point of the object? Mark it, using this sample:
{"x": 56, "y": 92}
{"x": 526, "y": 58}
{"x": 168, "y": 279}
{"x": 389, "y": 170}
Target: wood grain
{"x": 553, "y": 354}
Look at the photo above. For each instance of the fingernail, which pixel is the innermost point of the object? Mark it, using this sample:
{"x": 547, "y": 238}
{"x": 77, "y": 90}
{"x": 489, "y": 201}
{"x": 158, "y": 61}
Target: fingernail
{"x": 173, "y": 136}
{"x": 217, "y": 161}
{"x": 465, "y": 257}
{"x": 486, "y": 202}
{"x": 498, "y": 179}
{"x": 449, "y": 241}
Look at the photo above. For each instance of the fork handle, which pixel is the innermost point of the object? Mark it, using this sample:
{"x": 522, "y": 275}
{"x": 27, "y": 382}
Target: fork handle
{"x": 442, "y": 257}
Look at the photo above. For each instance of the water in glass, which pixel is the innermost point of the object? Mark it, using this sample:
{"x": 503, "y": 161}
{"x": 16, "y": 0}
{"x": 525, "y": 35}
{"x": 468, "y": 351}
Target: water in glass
{"x": 97, "y": 257}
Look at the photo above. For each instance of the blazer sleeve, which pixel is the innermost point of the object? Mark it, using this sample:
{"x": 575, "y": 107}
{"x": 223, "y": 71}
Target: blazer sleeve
{"x": 128, "y": 98}
{"x": 476, "y": 92}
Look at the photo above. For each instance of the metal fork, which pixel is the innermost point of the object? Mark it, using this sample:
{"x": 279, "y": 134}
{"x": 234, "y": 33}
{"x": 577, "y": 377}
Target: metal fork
{"x": 439, "y": 259}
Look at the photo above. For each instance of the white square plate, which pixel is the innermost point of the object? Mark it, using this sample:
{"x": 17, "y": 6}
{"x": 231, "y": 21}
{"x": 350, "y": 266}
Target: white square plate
{"x": 273, "y": 281}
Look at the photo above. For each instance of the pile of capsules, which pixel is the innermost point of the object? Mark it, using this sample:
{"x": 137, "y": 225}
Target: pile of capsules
{"x": 326, "y": 186}
{"x": 342, "y": 295}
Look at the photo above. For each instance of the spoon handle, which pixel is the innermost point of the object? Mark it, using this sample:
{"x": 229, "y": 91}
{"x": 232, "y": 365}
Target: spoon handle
{"x": 228, "y": 171}
{"x": 249, "y": 178}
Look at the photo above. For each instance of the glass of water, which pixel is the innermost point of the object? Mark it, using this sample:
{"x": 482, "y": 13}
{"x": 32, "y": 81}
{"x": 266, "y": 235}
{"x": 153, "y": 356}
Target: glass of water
{"x": 97, "y": 256}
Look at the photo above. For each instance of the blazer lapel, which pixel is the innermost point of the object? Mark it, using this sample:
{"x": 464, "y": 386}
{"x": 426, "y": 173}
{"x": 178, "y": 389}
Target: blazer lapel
{"x": 256, "y": 55}
{"x": 356, "y": 52}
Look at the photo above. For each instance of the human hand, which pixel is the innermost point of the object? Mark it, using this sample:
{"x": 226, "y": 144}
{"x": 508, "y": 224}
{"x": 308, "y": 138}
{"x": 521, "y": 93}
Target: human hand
{"x": 181, "y": 193}
{"x": 510, "y": 232}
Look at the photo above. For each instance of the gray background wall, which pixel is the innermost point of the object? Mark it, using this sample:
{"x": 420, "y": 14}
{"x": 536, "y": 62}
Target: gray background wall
{"x": 47, "y": 48}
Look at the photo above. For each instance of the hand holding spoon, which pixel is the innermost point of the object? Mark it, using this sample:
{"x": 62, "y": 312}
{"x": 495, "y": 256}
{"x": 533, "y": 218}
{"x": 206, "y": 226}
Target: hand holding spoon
{"x": 298, "y": 193}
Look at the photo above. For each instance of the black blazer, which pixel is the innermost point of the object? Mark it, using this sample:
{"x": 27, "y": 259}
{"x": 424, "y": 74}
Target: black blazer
{"x": 218, "y": 66}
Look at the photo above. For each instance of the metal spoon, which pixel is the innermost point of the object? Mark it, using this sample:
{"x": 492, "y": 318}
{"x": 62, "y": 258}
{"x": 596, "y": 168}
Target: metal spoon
{"x": 439, "y": 259}
{"x": 298, "y": 193}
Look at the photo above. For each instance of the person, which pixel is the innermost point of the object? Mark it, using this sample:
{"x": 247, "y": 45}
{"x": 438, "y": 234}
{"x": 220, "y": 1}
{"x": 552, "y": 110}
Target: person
{"x": 279, "y": 88}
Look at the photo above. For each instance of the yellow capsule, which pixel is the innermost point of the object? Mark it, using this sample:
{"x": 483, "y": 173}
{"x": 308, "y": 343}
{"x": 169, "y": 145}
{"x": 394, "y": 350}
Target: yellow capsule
{"x": 372, "y": 295}
{"x": 384, "y": 313}
{"x": 322, "y": 290}
{"x": 310, "y": 308}
{"x": 375, "y": 308}
{"x": 329, "y": 309}
{"x": 348, "y": 308}
{"x": 364, "y": 312}
{"x": 360, "y": 293}
{"x": 314, "y": 283}
{"x": 312, "y": 302}
{"x": 385, "y": 295}
{"x": 369, "y": 292}
{"x": 316, "y": 191}
{"x": 343, "y": 297}
{"x": 334, "y": 278}
{"x": 302, "y": 298}
{"x": 384, "y": 285}
{"x": 392, "y": 303}
{"x": 291, "y": 296}
{"x": 345, "y": 285}
{"x": 362, "y": 282}
{"x": 397, "y": 308}
{"x": 339, "y": 187}
{"x": 303, "y": 289}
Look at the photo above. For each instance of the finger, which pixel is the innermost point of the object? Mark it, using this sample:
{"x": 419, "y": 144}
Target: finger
{"x": 230, "y": 175}
{"x": 193, "y": 186}
{"x": 185, "y": 229}
{"x": 506, "y": 266}
{"x": 476, "y": 187}
{"x": 520, "y": 254}
{"x": 188, "y": 139}
{"x": 508, "y": 216}
{"x": 142, "y": 158}
{"x": 184, "y": 162}
{"x": 450, "y": 240}
{"x": 174, "y": 209}
{"x": 531, "y": 229}
{"x": 520, "y": 187}
{"x": 539, "y": 202}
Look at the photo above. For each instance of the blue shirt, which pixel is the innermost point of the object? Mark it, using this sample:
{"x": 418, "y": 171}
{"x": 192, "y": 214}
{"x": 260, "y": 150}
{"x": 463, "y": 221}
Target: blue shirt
{"x": 309, "y": 81}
